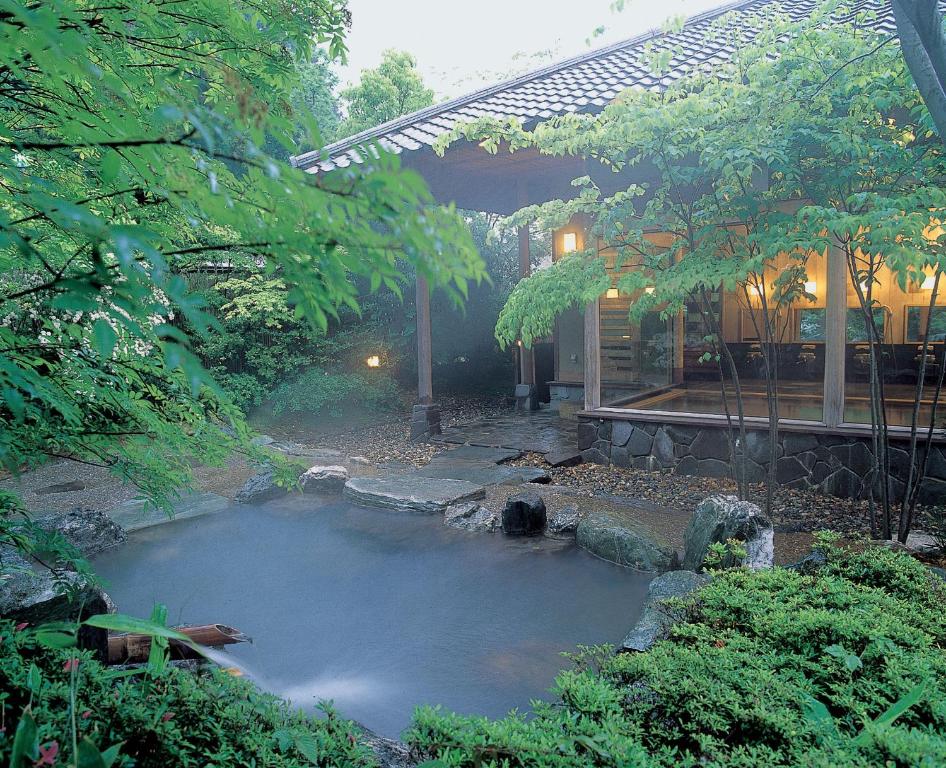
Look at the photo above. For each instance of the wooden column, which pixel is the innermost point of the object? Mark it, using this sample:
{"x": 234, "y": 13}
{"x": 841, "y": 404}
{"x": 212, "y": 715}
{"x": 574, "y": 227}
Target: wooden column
{"x": 425, "y": 387}
{"x": 526, "y": 356}
{"x": 835, "y": 337}
{"x": 592, "y": 357}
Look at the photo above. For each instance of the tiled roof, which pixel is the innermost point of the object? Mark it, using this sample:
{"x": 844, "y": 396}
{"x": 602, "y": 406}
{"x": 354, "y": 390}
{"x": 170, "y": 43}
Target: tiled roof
{"x": 585, "y": 83}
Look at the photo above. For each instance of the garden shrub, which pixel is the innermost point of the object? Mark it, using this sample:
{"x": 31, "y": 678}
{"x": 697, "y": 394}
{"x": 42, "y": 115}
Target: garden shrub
{"x": 845, "y": 667}
{"x": 320, "y": 391}
{"x": 178, "y": 719}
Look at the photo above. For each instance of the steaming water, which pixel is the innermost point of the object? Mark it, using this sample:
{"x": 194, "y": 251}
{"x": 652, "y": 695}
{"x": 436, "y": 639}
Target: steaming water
{"x": 379, "y": 611}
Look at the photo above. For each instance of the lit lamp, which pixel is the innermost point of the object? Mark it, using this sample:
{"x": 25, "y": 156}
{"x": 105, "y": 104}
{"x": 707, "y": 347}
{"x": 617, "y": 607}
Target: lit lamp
{"x": 612, "y": 293}
{"x": 811, "y": 286}
{"x": 928, "y": 282}
{"x": 569, "y": 242}
{"x": 374, "y": 361}
{"x": 649, "y": 290}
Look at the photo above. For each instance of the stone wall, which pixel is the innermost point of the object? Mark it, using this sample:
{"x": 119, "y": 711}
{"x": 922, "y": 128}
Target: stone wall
{"x": 833, "y": 464}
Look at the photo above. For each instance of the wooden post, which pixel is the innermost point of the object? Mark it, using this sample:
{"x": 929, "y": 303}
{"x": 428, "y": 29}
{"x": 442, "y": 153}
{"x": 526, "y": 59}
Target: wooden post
{"x": 835, "y": 337}
{"x": 425, "y": 417}
{"x": 526, "y": 356}
{"x": 592, "y": 357}
{"x": 425, "y": 387}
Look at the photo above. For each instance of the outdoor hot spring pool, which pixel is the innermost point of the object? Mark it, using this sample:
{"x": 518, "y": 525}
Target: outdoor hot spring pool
{"x": 379, "y": 611}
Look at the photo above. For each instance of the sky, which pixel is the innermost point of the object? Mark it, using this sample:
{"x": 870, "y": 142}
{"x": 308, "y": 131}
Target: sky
{"x": 463, "y": 46}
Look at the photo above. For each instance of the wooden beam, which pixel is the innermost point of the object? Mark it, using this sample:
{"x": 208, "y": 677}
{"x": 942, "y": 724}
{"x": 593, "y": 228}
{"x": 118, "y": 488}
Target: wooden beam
{"x": 835, "y": 337}
{"x": 425, "y": 387}
{"x": 592, "y": 357}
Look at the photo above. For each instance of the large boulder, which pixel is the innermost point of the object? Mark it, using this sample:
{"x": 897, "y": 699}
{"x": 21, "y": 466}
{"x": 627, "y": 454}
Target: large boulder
{"x": 324, "y": 479}
{"x": 260, "y": 487}
{"x": 656, "y": 619}
{"x": 89, "y": 530}
{"x": 616, "y": 536}
{"x": 471, "y": 516}
{"x": 720, "y": 518}
{"x": 524, "y": 515}
{"x": 38, "y": 597}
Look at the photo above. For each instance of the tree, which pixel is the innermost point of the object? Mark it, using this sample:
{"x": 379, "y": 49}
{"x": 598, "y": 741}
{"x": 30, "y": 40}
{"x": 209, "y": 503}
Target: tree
{"x": 315, "y": 97}
{"x": 923, "y": 41}
{"x": 131, "y": 156}
{"x": 392, "y": 89}
{"x": 849, "y": 163}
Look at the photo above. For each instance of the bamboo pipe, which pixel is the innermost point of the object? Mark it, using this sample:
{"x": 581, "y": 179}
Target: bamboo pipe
{"x": 135, "y": 648}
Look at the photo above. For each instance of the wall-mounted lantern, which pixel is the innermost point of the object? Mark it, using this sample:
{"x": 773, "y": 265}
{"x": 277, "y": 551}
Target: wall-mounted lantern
{"x": 569, "y": 242}
{"x": 811, "y": 286}
{"x": 374, "y": 361}
{"x": 612, "y": 293}
{"x": 928, "y": 282}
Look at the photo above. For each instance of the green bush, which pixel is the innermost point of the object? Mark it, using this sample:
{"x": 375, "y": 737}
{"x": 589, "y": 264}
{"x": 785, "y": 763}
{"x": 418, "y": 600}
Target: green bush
{"x": 177, "y": 719}
{"x": 845, "y": 667}
{"x": 320, "y": 391}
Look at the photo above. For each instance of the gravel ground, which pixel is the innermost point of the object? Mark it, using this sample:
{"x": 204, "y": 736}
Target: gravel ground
{"x": 387, "y": 439}
{"x": 795, "y": 510}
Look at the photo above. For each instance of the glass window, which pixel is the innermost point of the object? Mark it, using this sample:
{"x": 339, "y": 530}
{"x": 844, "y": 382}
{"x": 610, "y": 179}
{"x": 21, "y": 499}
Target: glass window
{"x": 682, "y": 370}
{"x": 901, "y": 317}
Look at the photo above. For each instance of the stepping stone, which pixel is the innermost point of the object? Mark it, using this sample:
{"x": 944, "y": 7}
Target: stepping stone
{"x": 484, "y": 474}
{"x": 133, "y": 515}
{"x": 411, "y": 493}
{"x": 478, "y": 453}
{"x": 563, "y": 457}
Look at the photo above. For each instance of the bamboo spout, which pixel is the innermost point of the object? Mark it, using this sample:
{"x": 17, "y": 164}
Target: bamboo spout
{"x": 135, "y": 648}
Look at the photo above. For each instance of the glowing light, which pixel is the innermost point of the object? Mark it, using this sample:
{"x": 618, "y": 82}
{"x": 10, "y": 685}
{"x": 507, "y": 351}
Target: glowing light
{"x": 811, "y": 286}
{"x": 928, "y": 283}
{"x": 649, "y": 290}
{"x": 569, "y": 242}
{"x": 612, "y": 293}
{"x": 373, "y": 362}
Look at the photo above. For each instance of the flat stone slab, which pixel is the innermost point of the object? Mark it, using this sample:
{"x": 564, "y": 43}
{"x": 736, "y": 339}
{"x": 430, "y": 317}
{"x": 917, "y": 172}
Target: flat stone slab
{"x": 478, "y": 453}
{"x": 411, "y": 493}
{"x": 132, "y": 515}
{"x": 484, "y": 474}
{"x": 563, "y": 457}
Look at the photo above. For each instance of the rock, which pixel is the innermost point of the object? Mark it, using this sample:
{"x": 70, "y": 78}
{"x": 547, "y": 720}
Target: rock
{"x": 411, "y": 493}
{"x": 594, "y": 456}
{"x": 621, "y": 433}
{"x": 478, "y": 453}
{"x": 923, "y": 543}
{"x": 471, "y": 516}
{"x": 563, "y": 523}
{"x": 711, "y": 443}
{"x": 359, "y": 460}
{"x": 616, "y": 536}
{"x": 563, "y": 457}
{"x": 262, "y": 440}
{"x": 37, "y": 597}
{"x": 483, "y": 473}
{"x": 810, "y": 563}
{"x": 260, "y": 487}
{"x": 587, "y": 434}
{"x": 656, "y": 620}
{"x": 719, "y": 518}
{"x": 387, "y": 752}
{"x": 324, "y": 479}
{"x": 135, "y": 514}
{"x": 524, "y": 515}
{"x": 89, "y": 530}
{"x": 640, "y": 443}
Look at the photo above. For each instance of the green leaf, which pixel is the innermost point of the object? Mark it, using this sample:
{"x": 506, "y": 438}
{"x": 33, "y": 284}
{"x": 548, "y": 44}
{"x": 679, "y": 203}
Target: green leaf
{"x": 910, "y": 699}
{"x": 117, "y": 622}
{"x": 104, "y": 337}
{"x": 25, "y": 742}
{"x": 110, "y": 166}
